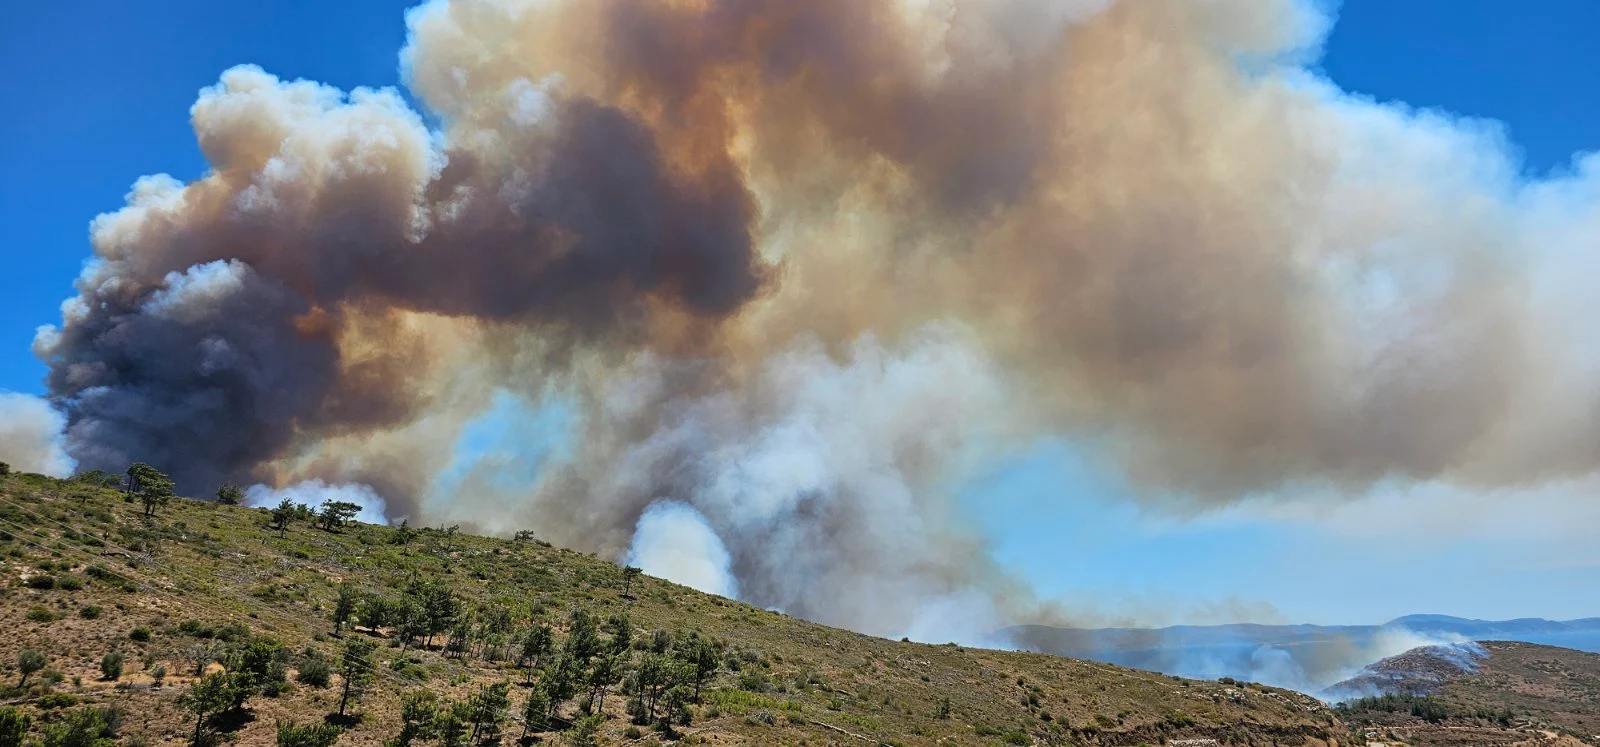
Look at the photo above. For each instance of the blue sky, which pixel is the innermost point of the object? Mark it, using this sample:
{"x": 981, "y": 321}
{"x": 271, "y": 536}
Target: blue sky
{"x": 97, "y": 92}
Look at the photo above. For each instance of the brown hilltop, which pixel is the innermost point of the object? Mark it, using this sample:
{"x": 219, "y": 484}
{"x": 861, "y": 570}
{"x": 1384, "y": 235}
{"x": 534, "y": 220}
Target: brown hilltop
{"x": 1509, "y": 693}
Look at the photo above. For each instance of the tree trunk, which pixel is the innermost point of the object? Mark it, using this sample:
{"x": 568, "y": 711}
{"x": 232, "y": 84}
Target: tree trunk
{"x": 201, "y": 719}
{"x": 345, "y": 698}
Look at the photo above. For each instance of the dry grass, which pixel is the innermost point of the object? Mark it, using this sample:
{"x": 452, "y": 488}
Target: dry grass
{"x": 799, "y": 683}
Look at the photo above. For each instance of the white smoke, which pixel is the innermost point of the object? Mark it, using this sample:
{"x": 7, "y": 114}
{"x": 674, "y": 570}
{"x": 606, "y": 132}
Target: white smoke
{"x": 30, "y": 436}
{"x": 674, "y": 541}
{"x": 314, "y": 493}
{"x": 827, "y": 475}
{"x": 1310, "y": 670}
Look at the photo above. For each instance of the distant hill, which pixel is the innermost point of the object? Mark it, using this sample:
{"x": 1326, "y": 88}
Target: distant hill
{"x": 1304, "y": 657}
{"x": 90, "y": 582}
{"x": 1582, "y": 635}
{"x": 1483, "y": 693}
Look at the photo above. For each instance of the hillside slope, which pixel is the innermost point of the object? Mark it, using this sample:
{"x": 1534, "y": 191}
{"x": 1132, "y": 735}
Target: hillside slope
{"x": 1308, "y": 657}
{"x": 1496, "y": 691}
{"x": 191, "y": 587}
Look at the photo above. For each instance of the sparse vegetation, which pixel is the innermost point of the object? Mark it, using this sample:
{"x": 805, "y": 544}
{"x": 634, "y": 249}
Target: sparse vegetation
{"x": 450, "y": 639}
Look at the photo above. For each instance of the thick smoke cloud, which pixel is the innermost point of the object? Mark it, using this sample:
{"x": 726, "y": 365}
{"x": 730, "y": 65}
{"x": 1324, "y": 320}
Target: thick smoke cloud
{"x": 805, "y": 266}
{"x": 214, "y": 332}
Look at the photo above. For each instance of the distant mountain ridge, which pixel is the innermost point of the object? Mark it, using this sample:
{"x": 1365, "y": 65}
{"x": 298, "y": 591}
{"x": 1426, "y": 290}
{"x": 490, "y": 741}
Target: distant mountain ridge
{"x": 1304, "y": 657}
{"x": 1478, "y": 628}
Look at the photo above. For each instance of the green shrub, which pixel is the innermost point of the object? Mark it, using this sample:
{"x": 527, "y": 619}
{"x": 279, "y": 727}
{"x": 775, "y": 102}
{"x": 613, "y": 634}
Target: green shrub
{"x": 314, "y": 669}
{"x": 291, "y": 734}
{"x": 29, "y": 660}
{"x": 89, "y": 612}
{"x": 69, "y": 583}
{"x": 233, "y": 631}
{"x": 140, "y": 634}
{"x": 111, "y": 665}
{"x": 755, "y": 682}
{"x": 41, "y": 581}
{"x": 83, "y": 727}
{"x": 51, "y": 701}
{"x": 13, "y": 725}
{"x": 42, "y": 615}
{"x": 99, "y": 573}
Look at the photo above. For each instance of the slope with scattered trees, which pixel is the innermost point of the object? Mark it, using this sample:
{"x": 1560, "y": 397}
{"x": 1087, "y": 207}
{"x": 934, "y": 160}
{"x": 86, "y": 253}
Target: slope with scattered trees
{"x": 142, "y": 619}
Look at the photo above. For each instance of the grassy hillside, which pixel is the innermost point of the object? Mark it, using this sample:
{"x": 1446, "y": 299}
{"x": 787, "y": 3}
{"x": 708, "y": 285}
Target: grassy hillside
{"x": 201, "y": 587}
{"x": 1509, "y": 691}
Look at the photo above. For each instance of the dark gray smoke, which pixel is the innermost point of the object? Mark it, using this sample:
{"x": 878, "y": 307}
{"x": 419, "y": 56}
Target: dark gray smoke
{"x": 213, "y": 335}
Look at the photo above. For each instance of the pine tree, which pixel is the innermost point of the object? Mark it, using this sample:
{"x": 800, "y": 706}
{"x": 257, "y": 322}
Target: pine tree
{"x": 452, "y": 725}
{"x": 583, "y": 640}
{"x": 536, "y": 645}
{"x": 335, "y": 514}
{"x": 535, "y": 712}
{"x": 488, "y": 707}
{"x": 282, "y": 515}
{"x": 582, "y": 734}
{"x": 355, "y": 667}
{"x": 604, "y": 673}
{"x": 559, "y": 681}
{"x": 150, "y": 486}
{"x": 702, "y": 655}
{"x": 419, "y": 715}
{"x": 621, "y": 633}
{"x": 344, "y": 607}
{"x": 208, "y": 696}
{"x": 230, "y": 495}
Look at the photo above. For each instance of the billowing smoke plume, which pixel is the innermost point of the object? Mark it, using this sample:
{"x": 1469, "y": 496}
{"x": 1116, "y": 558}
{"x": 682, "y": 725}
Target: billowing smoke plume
{"x": 802, "y": 266}
{"x": 30, "y": 436}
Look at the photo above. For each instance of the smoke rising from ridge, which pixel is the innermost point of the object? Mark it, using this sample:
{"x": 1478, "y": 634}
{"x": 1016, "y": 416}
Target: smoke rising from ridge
{"x": 804, "y": 266}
